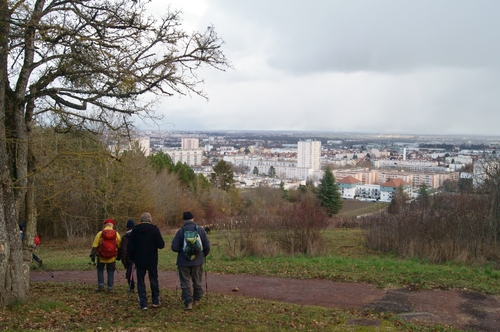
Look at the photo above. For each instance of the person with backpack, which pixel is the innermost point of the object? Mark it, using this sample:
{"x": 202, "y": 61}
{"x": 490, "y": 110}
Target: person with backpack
{"x": 192, "y": 246}
{"x": 105, "y": 247}
{"x": 123, "y": 254}
{"x": 36, "y": 243}
{"x": 144, "y": 242}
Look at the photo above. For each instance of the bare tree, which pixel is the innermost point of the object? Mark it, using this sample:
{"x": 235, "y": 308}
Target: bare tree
{"x": 72, "y": 64}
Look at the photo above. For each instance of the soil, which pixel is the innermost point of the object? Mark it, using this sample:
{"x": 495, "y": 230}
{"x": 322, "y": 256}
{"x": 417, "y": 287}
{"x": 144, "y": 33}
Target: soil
{"x": 460, "y": 309}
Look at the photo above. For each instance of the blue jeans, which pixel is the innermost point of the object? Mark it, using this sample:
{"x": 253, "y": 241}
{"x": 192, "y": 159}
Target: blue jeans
{"x": 188, "y": 275}
{"x": 110, "y": 268}
{"x": 141, "y": 285}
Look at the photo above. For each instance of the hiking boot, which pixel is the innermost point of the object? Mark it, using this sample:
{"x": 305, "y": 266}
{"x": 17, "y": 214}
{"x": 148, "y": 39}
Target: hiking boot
{"x": 156, "y": 305}
{"x": 189, "y": 306}
{"x": 196, "y": 303}
{"x": 110, "y": 290}
{"x": 99, "y": 289}
{"x": 144, "y": 308}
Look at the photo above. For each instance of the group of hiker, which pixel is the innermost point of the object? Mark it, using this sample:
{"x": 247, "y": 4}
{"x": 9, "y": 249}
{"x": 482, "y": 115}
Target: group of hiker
{"x": 138, "y": 251}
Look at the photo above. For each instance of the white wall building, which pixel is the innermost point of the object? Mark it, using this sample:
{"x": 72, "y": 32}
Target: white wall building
{"x": 190, "y": 157}
{"x": 190, "y": 143}
{"x": 308, "y": 153}
{"x": 144, "y": 145}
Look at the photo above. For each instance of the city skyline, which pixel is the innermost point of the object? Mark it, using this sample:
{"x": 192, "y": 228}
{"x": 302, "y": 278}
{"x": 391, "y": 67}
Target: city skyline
{"x": 421, "y": 67}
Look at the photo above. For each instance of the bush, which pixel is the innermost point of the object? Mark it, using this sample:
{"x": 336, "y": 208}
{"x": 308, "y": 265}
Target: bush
{"x": 292, "y": 228}
{"x": 452, "y": 227}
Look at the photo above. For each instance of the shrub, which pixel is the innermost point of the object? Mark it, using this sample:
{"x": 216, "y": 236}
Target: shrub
{"x": 292, "y": 228}
{"x": 452, "y": 227}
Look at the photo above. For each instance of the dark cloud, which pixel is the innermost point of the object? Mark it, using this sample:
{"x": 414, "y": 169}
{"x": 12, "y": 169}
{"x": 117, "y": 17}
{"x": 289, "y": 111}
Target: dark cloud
{"x": 366, "y": 35}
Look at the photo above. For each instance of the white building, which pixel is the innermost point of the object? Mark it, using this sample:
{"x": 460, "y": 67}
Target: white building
{"x": 369, "y": 192}
{"x": 347, "y": 186}
{"x": 144, "y": 145}
{"x": 308, "y": 153}
{"x": 190, "y": 143}
{"x": 388, "y": 189}
{"x": 190, "y": 157}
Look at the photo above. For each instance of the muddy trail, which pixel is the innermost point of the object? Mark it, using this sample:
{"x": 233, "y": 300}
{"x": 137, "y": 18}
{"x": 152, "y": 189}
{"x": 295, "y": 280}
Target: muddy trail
{"x": 461, "y": 309}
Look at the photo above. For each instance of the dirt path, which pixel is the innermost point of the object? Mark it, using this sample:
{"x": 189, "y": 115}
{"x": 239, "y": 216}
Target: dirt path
{"x": 461, "y": 309}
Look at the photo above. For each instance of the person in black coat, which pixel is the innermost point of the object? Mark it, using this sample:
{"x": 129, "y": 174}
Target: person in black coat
{"x": 190, "y": 270}
{"x": 144, "y": 242}
{"x": 123, "y": 254}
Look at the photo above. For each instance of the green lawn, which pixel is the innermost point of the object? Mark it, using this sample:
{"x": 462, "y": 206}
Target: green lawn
{"x": 346, "y": 260}
{"x": 61, "y": 306}
{"x": 73, "y": 307}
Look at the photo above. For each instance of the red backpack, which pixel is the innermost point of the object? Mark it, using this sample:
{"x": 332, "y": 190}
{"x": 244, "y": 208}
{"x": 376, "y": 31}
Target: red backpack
{"x": 107, "y": 248}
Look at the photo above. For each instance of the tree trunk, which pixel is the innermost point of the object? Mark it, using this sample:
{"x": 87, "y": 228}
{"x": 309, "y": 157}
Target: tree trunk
{"x": 13, "y": 272}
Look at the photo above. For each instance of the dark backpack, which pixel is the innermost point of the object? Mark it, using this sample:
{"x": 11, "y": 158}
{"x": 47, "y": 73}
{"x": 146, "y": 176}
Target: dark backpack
{"x": 192, "y": 243}
{"x": 107, "y": 248}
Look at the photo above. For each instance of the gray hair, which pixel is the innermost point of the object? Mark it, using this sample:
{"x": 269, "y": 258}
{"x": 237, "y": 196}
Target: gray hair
{"x": 146, "y": 217}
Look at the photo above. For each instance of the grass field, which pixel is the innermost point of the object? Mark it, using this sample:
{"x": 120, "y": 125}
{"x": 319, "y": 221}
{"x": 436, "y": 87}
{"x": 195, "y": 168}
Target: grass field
{"x": 72, "y": 307}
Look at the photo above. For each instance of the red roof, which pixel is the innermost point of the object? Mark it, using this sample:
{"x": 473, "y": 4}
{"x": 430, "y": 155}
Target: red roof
{"x": 349, "y": 180}
{"x": 395, "y": 183}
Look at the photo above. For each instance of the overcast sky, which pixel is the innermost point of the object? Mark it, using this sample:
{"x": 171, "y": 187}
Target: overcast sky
{"x": 384, "y": 66}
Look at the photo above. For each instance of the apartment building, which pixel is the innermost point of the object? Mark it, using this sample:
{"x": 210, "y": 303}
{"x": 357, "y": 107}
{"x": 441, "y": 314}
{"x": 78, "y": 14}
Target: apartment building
{"x": 190, "y": 143}
{"x": 347, "y": 186}
{"x": 386, "y": 176}
{"x": 368, "y": 192}
{"x": 430, "y": 180}
{"x": 308, "y": 154}
{"x": 388, "y": 189}
{"x": 190, "y": 157}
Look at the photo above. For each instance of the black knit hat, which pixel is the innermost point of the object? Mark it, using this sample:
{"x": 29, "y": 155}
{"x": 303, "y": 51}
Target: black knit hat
{"x": 187, "y": 216}
{"x": 130, "y": 224}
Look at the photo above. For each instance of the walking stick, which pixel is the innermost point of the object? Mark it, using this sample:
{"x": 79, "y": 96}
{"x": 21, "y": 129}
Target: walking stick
{"x": 177, "y": 281}
{"x": 206, "y": 280}
{"x": 130, "y": 281}
{"x": 43, "y": 268}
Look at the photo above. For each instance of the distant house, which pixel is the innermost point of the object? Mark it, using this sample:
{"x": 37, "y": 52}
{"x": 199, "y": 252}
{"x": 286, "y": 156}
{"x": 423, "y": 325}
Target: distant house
{"x": 348, "y": 186}
{"x": 388, "y": 189}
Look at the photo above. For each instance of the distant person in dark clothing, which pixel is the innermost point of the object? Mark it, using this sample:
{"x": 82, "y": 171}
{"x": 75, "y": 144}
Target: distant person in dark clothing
{"x": 190, "y": 271}
{"x": 144, "y": 242}
{"x": 124, "y": 254}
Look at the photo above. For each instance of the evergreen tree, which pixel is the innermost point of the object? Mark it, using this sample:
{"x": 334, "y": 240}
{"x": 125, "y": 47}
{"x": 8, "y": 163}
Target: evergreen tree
{"x": 398, "y": 201}
{"x": 423, "y": 195}
{"x": 255, "y": 171}
{"x": 160, "y": 161}
{"x": 272, "y": 172}
{"x": 286, "y": 194}
{"x": 329, "y": 193}
{"x": 223, "y": 176}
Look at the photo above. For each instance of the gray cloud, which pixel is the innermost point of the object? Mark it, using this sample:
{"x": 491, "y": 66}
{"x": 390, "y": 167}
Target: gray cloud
{"x": 426, "y": 66}
{"x": 365, "y": 35}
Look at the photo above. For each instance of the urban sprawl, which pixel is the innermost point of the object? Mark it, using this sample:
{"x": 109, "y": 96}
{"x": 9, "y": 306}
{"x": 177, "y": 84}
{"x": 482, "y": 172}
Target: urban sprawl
{"x": 366, "y": 167}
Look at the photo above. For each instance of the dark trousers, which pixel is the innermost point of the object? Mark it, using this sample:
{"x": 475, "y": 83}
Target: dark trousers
{"x": 110, "y": 268}
{"x": 141, "y": 285}
{"x": 188, "y": 275}
{"x": 37, "y": 259}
